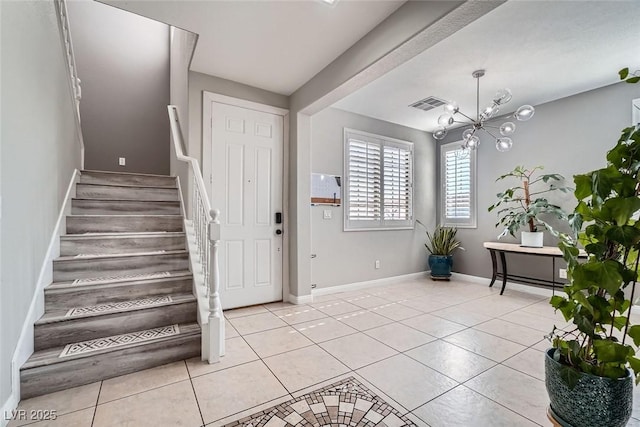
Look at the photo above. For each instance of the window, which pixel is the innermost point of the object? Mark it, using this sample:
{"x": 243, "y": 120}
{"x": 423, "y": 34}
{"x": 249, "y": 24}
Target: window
{"x": 379, "y": 182}
{"x": 458, "y": 193}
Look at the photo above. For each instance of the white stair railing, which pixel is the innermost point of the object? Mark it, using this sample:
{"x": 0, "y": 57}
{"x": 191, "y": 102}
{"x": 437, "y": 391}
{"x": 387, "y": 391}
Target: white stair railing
{"x": 204, "y": 224}
{"x": 74, "y": 80}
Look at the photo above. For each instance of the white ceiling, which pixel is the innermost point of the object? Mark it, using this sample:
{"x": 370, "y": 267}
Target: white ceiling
{"x": 542, "y": 51}
{"x": 273, "y": 45}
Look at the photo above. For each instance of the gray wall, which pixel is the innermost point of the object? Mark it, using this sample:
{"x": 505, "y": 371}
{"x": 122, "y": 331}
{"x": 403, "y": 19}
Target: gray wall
{"x": 123, "y": 62}
{"x": 39, "y": 151}
{"x": 181, "y": 49}
{"x": 199, "y": 82}
{"x": 348, "y": 257}
{"x": 568, "y": 136}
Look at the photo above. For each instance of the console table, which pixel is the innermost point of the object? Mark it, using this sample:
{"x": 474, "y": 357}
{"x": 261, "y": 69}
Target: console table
{"x": 501, "y": 249}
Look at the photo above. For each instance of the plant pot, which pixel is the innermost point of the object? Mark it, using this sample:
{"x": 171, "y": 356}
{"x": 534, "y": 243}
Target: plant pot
{"x": 440, "y": 266}
{"x": 593, "y": 402}
{"x": 532, "y": 239}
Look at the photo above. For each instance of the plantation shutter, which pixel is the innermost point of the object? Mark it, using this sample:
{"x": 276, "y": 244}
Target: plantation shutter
{"x": 457, "y": 176}
{"x": 365, "y": 180}
{"x": 397, "y": 183}
{"x": 379, "y": 187}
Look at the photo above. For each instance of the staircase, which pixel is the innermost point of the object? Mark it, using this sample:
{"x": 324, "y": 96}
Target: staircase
{"x": 121, "y": 298}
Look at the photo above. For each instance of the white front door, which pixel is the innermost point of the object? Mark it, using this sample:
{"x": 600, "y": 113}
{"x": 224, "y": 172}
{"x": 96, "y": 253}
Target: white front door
{"x": 247, "y": 153}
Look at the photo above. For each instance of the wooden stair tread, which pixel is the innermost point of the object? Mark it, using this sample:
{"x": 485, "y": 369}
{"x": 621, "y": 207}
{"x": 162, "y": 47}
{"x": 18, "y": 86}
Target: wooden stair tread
{"x": 91, "y": 257}
{"x": 128, "y": 186}
{"x": 56, "y": 316}
{"x": 69, "y": 285}
{"x": 93, "y": 171}
{"x": 123, "y": 234}
{"x": 50, "y": 356}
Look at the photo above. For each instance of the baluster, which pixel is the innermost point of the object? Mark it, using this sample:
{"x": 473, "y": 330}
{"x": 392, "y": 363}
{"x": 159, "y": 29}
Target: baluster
{"x": 216, "y": 321}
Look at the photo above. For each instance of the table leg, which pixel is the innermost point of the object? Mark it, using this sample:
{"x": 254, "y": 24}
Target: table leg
{"x": 553, "y": 276}
{"x": 503, "y": 261}
{"x": 494, "y": 264}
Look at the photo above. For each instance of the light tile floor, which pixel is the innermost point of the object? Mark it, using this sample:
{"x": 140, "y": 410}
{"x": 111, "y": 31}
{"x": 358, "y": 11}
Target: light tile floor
{"x": 442, "y": 353}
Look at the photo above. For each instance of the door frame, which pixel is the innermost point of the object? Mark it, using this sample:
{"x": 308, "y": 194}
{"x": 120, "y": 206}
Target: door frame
{"x": 207, "y": 136}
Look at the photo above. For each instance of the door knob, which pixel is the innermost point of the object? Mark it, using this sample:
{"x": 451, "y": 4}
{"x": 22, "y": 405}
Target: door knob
{"x": 278, "y": 232}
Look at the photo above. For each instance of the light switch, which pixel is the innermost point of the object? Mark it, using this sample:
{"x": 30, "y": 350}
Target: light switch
{"x": 122, "y": 161}
{"x": 326, "y": 214}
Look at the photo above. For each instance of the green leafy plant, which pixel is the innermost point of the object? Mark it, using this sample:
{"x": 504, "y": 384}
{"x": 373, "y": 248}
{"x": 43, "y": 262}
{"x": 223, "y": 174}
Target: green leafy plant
{"x": 601, "y": 290}
{"x": 523, "y": 204}
{"x": 443, "y": 241}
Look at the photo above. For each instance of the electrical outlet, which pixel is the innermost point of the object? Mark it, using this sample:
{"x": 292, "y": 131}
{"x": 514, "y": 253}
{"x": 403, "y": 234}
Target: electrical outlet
{"x": 377, "y": 264}
{"x": 326, "y": 214}
{"x": 562, "y": 273}
{"x": 122, "y": 161}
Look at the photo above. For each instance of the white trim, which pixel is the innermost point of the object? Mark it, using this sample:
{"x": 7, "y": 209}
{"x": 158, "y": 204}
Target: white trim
{"x": 24, "y": 347}
{"x": 369, "y": 283}
{"x": 207, "y": 133}
{"x": 303, "y": 299}
{"x": 510, "y": 285}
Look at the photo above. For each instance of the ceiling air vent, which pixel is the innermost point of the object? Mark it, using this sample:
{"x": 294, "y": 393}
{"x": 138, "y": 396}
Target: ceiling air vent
{"x": 428, "y": 103}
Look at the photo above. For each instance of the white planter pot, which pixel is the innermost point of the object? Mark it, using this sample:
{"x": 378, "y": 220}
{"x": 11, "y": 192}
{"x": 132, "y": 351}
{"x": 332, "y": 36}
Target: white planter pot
{"x": 532, "y": 240}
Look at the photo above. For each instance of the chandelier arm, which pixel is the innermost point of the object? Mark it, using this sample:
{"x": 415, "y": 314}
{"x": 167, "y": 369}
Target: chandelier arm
{"x": 492, "y": 135}
{"x": 492, "y": 127}
{"x": 463, "y": 114}
{"x": 478, "y": 98}
{"x": 461, "y": 122}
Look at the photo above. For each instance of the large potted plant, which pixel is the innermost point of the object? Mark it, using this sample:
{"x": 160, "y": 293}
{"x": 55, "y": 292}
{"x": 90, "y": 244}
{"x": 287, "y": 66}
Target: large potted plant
{"x": 441, "y": 246}
{"x": 591, "y": 366}
{"x": 526, "y": 204}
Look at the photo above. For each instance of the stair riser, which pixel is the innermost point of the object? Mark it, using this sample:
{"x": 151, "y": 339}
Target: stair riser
{"x": 79, "y": 268}
{"x": 108, "y": 224}
{"x": 61, "y": 376}
{"x": 90, "y": 191}
{"x": 121, "y": 245}
{"x": 122, "y": 207}
{"x": 115, "y": 179}
{"x": 82, "y": 329}
{"x": 59, "y": 299}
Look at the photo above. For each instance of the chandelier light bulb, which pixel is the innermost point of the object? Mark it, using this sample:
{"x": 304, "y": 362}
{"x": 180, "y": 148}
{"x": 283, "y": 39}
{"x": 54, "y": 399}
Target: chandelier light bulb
{"x": 524, "y": 113}
{"x": 468, "y": 133}
{"x": 504, "y": 144}
{"x": 440, "y": 133}
{"x": 490, "y": 111}
{"x": 473, "y": 142}
{"x": 502, "y": 96}
{"x": 451, "y": 107}
{"x": 445, "y": 120}
{"x": 507, "y": 128}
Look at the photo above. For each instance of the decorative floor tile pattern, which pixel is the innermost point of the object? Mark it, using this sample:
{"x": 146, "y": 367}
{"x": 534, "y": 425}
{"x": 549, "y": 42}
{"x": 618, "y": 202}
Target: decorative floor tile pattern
{"x": 344, "y": 403}
{"x": 118, "y": 340}
{"x": 124, "y": 278}
{"x": 118, "y": 306}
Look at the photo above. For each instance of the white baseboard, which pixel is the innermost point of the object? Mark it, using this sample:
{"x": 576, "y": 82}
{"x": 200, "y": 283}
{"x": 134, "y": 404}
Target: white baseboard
{"x": 369, "y": 283}
{"x": 510, "y": 285}
{"x": 10, "y": 405}
{"x": 304, "y": 299}
{"x": 24, "y": 348}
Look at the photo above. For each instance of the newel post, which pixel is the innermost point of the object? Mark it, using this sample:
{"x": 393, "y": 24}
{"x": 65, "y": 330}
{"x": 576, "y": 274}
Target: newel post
{"x": 216, "y": 319}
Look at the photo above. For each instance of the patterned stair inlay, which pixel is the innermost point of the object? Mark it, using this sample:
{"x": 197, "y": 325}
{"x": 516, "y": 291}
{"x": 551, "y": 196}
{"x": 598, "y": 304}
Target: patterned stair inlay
{"x": 108, "y": 254}
{"x": 124, "y": 278}
{"x": 118, "y": 306}
{"x": 344, "y": 403}
{"x": 118, "y": 340}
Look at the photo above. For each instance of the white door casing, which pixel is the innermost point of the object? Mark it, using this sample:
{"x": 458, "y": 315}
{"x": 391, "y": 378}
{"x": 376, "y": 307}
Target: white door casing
{"x": 246, "y": 184}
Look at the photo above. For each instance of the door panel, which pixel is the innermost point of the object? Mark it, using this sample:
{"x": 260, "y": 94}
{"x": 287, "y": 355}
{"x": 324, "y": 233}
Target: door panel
{"x": 247, "y": 153}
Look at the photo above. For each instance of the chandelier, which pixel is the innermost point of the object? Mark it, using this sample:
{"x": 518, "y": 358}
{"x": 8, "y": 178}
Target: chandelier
{"x": 470, "y": 140}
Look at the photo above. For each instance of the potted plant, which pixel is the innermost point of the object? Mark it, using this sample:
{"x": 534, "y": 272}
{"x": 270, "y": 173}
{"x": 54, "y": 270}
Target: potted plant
{"x": 523, "y": 205}
{"x": 591, "y": 366}
{"x": 441, "y": 246}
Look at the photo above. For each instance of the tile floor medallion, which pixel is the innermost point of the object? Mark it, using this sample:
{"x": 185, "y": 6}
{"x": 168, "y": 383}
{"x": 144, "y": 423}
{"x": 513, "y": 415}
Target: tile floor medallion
{"x": 118, "y": 340}
{"x": 344, "y": 403}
